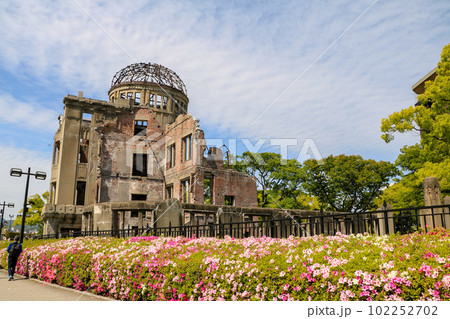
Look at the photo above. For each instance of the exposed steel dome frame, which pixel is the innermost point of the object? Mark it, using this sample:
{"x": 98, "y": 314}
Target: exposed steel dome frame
{"x": 149, "y": 73}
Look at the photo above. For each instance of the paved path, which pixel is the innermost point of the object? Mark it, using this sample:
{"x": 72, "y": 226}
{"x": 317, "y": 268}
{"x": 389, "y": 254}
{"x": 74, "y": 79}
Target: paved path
{"x": 23, "y": 289}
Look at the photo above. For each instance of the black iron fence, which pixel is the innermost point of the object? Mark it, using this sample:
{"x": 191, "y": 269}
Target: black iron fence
{"x": 381, "y": 222}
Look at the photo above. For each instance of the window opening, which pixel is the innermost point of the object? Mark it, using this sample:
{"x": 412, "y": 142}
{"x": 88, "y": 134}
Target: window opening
{"x": 138, "y": 197}
{"x": 158, "y": 101}
{"x": 83, "y": 151}
{"x": 139, "y": 164}
{"x": 140, "y": 127}
{"x": 185, "y": 192}
{"x": 165, "y": 102}
{"x": 171, "y": 156}
{"x": 129, "y": 95}
{"x": 187, "y": 147}
{"x": 52, "y": 193}
{"x": 81, "y": 191}
{"x": 152, "y": 100}
{"x": 229, "y": 200}
{"x": 207, "y": 190}
{"x": 169, "y": 191}
{"x": 137, "y": 98}
{"x": 87, "y": 117}
{"x": 56, "y": 153}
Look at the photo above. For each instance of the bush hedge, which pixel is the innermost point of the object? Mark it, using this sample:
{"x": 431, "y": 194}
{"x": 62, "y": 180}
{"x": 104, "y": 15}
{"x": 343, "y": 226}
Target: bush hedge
{"x": 341, "y": 267}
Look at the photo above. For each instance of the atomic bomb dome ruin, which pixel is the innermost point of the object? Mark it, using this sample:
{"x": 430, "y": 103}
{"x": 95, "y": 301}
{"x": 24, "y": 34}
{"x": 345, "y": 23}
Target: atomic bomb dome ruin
{"x": 138, "y": 160}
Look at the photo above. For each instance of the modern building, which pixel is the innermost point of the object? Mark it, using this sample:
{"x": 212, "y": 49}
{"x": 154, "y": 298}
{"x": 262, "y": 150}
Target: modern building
{"x": 116, "y": 163}
{"x": 419, "y": 87}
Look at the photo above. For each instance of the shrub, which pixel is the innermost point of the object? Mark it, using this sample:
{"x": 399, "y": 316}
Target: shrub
{"x": 342, "y": 267}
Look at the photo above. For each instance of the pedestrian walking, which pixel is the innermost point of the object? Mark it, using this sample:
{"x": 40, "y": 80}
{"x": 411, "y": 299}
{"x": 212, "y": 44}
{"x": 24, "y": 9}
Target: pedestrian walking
{"x": 14, "y": 250}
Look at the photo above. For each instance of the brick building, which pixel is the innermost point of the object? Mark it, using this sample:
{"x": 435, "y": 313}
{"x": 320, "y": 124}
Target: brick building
{"x": 116, "y": 163}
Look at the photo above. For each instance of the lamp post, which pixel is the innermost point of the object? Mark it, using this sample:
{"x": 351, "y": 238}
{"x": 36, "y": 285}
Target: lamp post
{"x": 3, "y": 213}
{"x": 17, "y": 172}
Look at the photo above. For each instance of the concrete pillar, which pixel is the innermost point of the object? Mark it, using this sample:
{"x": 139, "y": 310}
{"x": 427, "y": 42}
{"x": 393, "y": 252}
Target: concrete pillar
{"x": 94, "y": 148}
{"x": 140, "y": 220}
{"x": 431, "y": 218}
{"x": 170, "y": 213}
{"x": 66, "y": 187}
{"x": 381, "y": 230}
{"x": 51, "y": 226}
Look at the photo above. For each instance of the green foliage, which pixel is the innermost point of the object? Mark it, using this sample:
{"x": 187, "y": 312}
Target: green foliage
{"x": 33, "y": 217}
{"x": 262, "y": 166}
{"x": 347, "y": 183}
{"x": 341, "y": 183}
{"x": 279, "y": 180}
{"x": 408, "y": 191}
{"x": 207, "y": 191}
{"x": 431, "y": 118}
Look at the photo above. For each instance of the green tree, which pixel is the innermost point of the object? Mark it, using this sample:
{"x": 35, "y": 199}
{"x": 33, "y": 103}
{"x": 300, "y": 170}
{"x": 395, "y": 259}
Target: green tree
{"x": 279, "y": 180}
{"x": 430, "y": 157}
{"x": 287, "y": 192}
{"x": 347, "y": 183}
{"x": 33, "y": 217}
{"x": 262, "y": 166}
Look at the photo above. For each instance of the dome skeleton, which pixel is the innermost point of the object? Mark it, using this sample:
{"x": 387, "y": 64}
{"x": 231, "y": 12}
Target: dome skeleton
{"x": 151, "y": 73}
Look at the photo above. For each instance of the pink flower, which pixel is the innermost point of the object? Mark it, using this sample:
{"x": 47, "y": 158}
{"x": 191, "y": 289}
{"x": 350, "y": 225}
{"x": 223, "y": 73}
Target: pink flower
{"x": 446, "y": 281}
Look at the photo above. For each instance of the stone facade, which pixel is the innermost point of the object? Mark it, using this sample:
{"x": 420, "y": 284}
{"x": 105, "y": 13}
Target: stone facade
{"x": 434, "y": 217}
{"x": 141, "y": 146}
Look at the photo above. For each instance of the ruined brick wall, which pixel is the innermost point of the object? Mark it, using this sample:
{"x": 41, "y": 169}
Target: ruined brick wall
{"x": 227, "y": 182}
{"x": 182, "y": 167}
{"x": 119, "y": 143}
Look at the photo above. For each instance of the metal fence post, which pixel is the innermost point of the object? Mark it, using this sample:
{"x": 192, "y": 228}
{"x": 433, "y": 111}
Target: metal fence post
{"x": 386, "y": 222}
{"x": 322, "y": 221}
{"x": 271, "y": 227}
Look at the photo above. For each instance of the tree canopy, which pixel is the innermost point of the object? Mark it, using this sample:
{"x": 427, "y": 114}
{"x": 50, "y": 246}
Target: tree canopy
{"x": 340, "y": 183}
{"x": 347, "y": 183}
{"x": 33, "y": 217}
{"x": 430, "y": 117}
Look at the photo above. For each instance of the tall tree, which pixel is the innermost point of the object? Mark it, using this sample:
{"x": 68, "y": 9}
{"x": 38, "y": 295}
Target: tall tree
{"x": 287, "y": 192}
{"x": 347, "y": 183}
{"x": 33, "y": 217}
{"x": 262, "y": 166}
{"x": 431, "y": 118}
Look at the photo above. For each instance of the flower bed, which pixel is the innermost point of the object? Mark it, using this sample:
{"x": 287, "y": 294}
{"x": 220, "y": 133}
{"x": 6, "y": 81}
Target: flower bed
{"x": 341, "y": 267}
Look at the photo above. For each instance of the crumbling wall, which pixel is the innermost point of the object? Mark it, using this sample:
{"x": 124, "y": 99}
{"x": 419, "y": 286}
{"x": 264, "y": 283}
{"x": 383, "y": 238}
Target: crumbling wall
{"x": 119, "y": 143}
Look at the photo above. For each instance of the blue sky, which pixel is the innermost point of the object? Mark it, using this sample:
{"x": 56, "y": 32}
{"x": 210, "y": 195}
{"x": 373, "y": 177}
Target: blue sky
{"x": 236, "y": 59}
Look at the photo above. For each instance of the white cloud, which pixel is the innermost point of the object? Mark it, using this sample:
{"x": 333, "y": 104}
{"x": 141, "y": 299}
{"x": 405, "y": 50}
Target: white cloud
{"x": 25, "y": 115}
{"x": 237, "y": 58}
{"x": 12, "y": 189}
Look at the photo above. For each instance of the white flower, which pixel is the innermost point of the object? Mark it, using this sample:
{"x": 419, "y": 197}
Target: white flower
{"x": 392, "y": 274}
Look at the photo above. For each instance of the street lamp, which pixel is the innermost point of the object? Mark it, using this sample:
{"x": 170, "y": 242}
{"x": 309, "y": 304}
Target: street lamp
{"x": 17, "y": 172}
{"x": 3, "y": 212}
